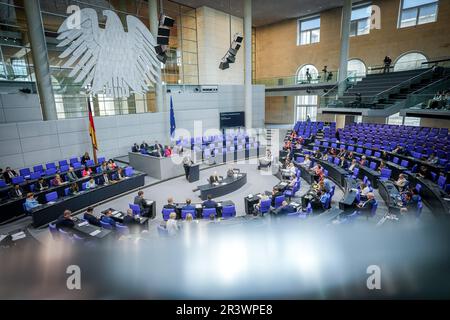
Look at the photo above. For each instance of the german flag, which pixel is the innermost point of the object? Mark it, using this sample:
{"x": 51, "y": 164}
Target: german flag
{"x": 92, "y": 127}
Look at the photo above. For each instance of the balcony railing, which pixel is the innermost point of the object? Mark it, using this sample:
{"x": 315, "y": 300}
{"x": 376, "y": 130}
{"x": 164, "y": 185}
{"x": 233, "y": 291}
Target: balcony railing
{"x": 330, "y": 77}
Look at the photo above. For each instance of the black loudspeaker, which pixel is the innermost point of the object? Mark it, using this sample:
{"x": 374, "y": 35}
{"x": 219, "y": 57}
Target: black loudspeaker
{"x": 160, "y": 49}
{"x": 230, "y": 56}
{"x": 166, "y": 21}
{"x": 163, "y": 31}
{"x": 162, "y": 57}
{"x": 224, "y": 65}
{"x": 238, "y": 38}
{"x": 162, "y": 40}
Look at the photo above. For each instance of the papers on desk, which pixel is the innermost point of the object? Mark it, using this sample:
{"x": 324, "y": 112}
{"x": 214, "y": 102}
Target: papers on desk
{"x": 96, "y": 232}
{"x": 215, "y": 184}
{"x": 295, "y": 204}
{"x": 148, "y": 202}
{"x": 283, "y": 184}
{"x": 219, "y": 204}
{"x": 223, "y": 183}
{"x": 198, "y": 206}
{"x": 84, "y": 223}
{"x": 19, "y": 235}
{"x": 51, "y": 202}
{"x": 250, "y": 196}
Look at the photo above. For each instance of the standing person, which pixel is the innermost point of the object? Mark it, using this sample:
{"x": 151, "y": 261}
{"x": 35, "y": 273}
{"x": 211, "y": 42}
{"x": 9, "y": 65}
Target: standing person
{"x": 85, "y": 158}
{"x": 308, "y": 119}
{"x": 187, "y": 162}
{"x": 325, "y": 71}
{"x": 308, "y": 75}
{"x": 387, "y": 64}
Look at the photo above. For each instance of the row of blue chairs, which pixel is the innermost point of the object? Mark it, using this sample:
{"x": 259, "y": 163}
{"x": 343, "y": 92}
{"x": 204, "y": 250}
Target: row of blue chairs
{"x": 227, "y": 212}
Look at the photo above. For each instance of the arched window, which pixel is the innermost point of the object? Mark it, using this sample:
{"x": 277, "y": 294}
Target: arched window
{"x": 409, "y": 61}
{"x": 356, "y": 68}
{"x": 302, "y": 76}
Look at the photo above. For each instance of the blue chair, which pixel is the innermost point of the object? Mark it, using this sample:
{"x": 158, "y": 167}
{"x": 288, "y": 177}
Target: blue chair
{"x": 208, "y": 211}
{"x": 325, "y": 172}
{"x": 53, "y": 230}
{"x": 35, "y": 175}
{"x": 77, "y": 239}
{"x": 65, "y": 235}
{"x": 373, "y": 211}
{"x": 63, "y": 169}
{"x": 122, "y": 230}
{"x": 129, "y": 171}
{"x": 279, "y": 200}
{"x": 336, "y": 161}
{"x": 441, "y": 181}
{"x": 377, "y": 154}
{"x": 265, "y": 206}
{"x": 404, "y": 163}
{"x": 395, "y": 160}
{"x": 66, "y": 191}
{"x": 228, "y": 212}
{"x": 106, "y": 225}
{"x": 73, "y": 160}
{"x": 101, "y": 159}
{"x": 419, "y": 209}
{"x": 18, "y": 180}
{"x": 333, "y": 188}
{"x": 98, "y": 169}
{"x": 50, "y": 165}
{"x": 184, "y": 213}
{"x": 2, "y": 183}
{"x": 51, "y": 196}
{"x": 136, "y": 209}
{"x": 76, "y": 165}
{"x": 25, "y": 172}
{"x": 50, "y": 172}
{"x": 84, "y": 186}
{"x": 355, "y": 173}
{"x": 373, "y": 165}
{"x": 385, "y": 174}
{"x": 291, "y": 192}
{"x": 38, "y": 168}
{"x": 433, "y": 176}
{"x": 162, "y": 232}
{"x": 418, "y": 188}
{"x": 368, "y": 152}
{"x": 166, "y": 213}
{"x": 90, "y": 163}
{"x": 63, "y": 163}
{"x": 365, "y": 179}
{"x": 308, "y": 211}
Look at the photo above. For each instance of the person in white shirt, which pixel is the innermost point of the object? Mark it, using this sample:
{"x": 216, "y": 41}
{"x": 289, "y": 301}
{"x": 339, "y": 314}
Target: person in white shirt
{"x": 353, "y": 165}
{"x": 172, "y": 225}
{"x": 401, "y": 182}
{"x": 91, "y": 184}
{"x": 364, "y": 191}
{"x": 266, "y": 161}
{"x": 307, "y": 162}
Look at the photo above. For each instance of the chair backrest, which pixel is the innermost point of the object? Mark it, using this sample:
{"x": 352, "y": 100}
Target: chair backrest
{"x": 84, "y": 186}
{"x": 123, "y": 230}
{"x": 386, "y": 173}
{"x": 373, "y": 165}
{"x": 208, "y": 211}
{"x": 38, "y": 168}
{"x": 25, "y": 172}
{"x": 279, "y": 200}
{"x": 101, "y": 160}
{"x": 105, "y": 225}
{"x": 66, "y": 191}
{"x": 395, "y": 160}
{"x": 265, "y": 205}
{"x": 419, "y": 209}
{"x": 129, "y": 171}
{"x": 368, "y": 152}
{"x": 377, "y": 154}
{"x": 355, "y": 172}
{"x": 404, "y": 163}
{"x": 50, "y": 172}
{"x": 336, "y": 161}
{"x": 51, "y": 196}
{"x": 166, "y": 213}
{"x": 441, "y": 181}
{"x": 2, "y": 183}
{"x": 35, "y": 175}
{"x": 53, "y": 230}
{"x": 228, "y": 212}
{"x": 309, "y": 208}
{"x": 62, "y": 163}
{"x": 18, "y": 180}
{"x": 50, "y": 165}
{"x": 77, "y": 238}
{"x": 373, "y": 211}
{"x": 418, "y": 187}
{"x": 325, "y": 172}
{"x": 136, "y": 209}
{"x": 73, "y": 160}
{"x": 90, "y": 163}
{"x": 184, "y": 213}
{"x": 63, "y": 169}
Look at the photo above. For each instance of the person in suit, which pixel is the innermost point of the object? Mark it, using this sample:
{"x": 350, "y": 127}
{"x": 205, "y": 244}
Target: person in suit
{"x": 104, "y": 179}
{"x": 144, "y": 145}
{"x": 187, "y": 162}
{"x": 307, "y": 162}
{"x": 275, "y": 193}
{"x": 16, "y": 192}
{"x": 188, "y": 205}
{"x": 107, "y": 218}
{"x": 129, "y": 219}
{"x": 91, "y": 184}
{"x": 41, "y": 185}
{"x": 343, "y": 163}
{"x": 9, "y": 174}
{"x": 209, "y": 203}
{"x": 65, "y": 221}
{"x": 169, "y": 204}
{"x": 57, "y": 181}
{"x": 411, "y": 202}
{"x": 285, "y": 209}
{"x": 31, "y": 202}
{"x": 353, "y": 165}
{"x": 73, "y": 189}
{"x": 214, "y": 178}
{"x": 365, "y": 207}
{"x": 159, "y": 148}
{"x": 91, "y": 218}
{"x": 342, "y": 152}
{"x": 135, "y": 148}
{"x": 71, "y": 176}
{"x": 120, "y": 175}
{"x": 140, "y": 201}
{"x": 363, "y": 162}
{"x": 85, "y": 158}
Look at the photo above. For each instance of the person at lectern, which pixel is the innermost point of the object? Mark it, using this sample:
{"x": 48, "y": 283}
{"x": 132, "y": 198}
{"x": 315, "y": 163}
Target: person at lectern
{"x": 187, "y": 162}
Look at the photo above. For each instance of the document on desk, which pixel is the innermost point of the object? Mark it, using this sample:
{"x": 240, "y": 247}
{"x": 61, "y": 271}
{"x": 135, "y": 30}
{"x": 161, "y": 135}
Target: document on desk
{"x": 117, "y": 214}
{"x": 96, "y": 232}
{"x": 198, "y": 206}
{"x": 19, "y": 235}
{"x": 84, "y": 223}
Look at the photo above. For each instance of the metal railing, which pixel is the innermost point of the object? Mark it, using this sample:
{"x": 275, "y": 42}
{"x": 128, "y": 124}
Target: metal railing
{"x": 329, "y": 77}
{"x": 331, "y": 97}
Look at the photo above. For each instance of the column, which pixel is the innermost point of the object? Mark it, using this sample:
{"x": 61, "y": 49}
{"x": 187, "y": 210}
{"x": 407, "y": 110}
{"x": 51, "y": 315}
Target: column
{"x": 154, "y": 22}
{"x": 248, "y": 62}
{"x": 345, "y": 31}
{"x": 40, "y": 59}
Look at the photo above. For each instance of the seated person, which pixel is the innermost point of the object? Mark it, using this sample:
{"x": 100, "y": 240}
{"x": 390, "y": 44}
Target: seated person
{"x": 91, "y": 218}
{"x": 188, "y": 205}
{"x": 411, "y": 202}
{"x": 364, "y": 191}
{"x": 353, "y": 165}
{"x": 8, "y": 174}
{"x": 325, "y": 156}
{"x": 214, "y": 178}
{"x": 289, "y": 172}
{"x": 135, "y": 148}
{"x": 320, "y": 200}
{"x": 292, "y": 183}
{"x": 120, "y": 175}
{"x": 71, "y": 176}
{"x": 158, "y": 149}
{"x": 343, "y": 163}
{"x": 350, "y": 156}
{"x": 57, "y": 181}
{"x": 31, "y": 202}
{"x": 172, "y": 224}
{"x": 41, "y": 185}
{"x": 381, "y": 166}
{"x": 168, "y": 151}
{"x": 65, "y": 221}
{"x": 85, "y": 158}
{"x": 266, "y": 161}
{"x": 209, "y": 202}
{"x": 111, "y": 164}
{"x": 73, "y": 189}
{"x": 257, "y": 206}
{"x": 384, "y": 155}
{"x": 107, "y": 218}
{"x": 317, "y": 154}
{"x": 401, "y": 182}
{"x": 275, "y": 193}
{"x": 318, "y": 172}
{"x": 342, "y": 153}
{"x": 424, "y": 172}
{"x": 307, "y": 162}
{"x": 144, "y": 145}
{"x": 285, "y": 208}
{"x": 104, "y": 179}
{"x": 365, "y": 207}
{"x": 363, "y": 161}
{"x": 86, "y": 172}
{"x": 140, "y": 201}
{"x": 16, "y": 192}
{"x": 91, "y": 184}
{"x": 432, "y": 159}
{"x": 169, "y": 204}
{"x": 104, "y": 167}
{"x": 230, "y": 172}
{"x": 326, "y": 184}
{"x": 333, "y": 152}
{"x": 398, "y": 149}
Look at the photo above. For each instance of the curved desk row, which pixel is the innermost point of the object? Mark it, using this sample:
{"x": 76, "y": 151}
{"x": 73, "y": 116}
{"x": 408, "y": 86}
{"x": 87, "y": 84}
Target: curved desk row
{"x": 391, "y": 195}
{"x": 225, "y": 186}
{"x": 432, "y": 195}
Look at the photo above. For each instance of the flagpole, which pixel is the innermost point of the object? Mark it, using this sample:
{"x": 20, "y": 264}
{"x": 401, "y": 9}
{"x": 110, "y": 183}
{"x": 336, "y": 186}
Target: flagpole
{"x": 94, "y": 150}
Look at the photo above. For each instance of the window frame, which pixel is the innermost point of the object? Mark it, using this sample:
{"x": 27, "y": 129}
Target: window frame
{"x": 418, "y": 9}
{"x": 357, "y": 21}
{"x": 308, "y": 31}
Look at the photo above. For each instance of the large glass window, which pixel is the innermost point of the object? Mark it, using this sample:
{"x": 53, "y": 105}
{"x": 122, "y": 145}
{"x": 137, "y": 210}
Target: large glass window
{"x": 356, "y": 68}
{"x": 398, "y": 120}
{"x": 308, "y": 31}
{"x": 414, "y": 12}
{"x": 307, "y": 74}
{"x": 410, "y": 61}
{"x": 360, "y": 20}
{"x": 306, "y": 105}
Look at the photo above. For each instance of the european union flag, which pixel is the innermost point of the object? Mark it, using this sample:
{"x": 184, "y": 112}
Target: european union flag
{"x": 172, "y": 119}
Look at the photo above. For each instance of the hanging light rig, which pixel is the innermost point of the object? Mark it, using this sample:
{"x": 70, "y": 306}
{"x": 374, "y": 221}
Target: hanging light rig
{"x": 230, "y": 56}
{"x": 162, "y": 40}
